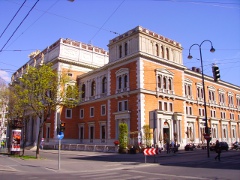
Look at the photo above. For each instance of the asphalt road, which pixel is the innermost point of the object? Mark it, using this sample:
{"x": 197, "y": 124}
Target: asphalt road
{"x": 98, "y": 165}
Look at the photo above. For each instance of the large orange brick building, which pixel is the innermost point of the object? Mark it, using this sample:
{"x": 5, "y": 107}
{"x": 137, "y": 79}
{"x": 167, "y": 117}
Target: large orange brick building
{"x": 142, "y": 81}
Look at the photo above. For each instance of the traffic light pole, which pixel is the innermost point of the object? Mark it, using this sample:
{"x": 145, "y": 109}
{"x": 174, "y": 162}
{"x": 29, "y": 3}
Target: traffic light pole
{"x": 203, "y": 84}
{"x": 59, "y": 153}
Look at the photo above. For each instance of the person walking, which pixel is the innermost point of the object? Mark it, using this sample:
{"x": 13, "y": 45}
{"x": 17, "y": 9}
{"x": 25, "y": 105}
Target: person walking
{"x": 218, "y": 150}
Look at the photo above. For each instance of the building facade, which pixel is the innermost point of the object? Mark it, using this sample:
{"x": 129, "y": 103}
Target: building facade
{"x": 142, "y": 81}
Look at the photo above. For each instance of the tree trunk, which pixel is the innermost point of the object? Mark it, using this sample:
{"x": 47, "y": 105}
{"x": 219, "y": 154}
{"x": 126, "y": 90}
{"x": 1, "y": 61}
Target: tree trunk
{"x": 39, "y": 138}
{"x": 24, "y": 136}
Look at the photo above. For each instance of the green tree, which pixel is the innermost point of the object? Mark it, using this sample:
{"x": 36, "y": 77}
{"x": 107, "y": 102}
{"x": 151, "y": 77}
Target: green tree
{"x": 43, "y": 90}
{"x": 123, "y": 136}
{"x": 147, "y": 135}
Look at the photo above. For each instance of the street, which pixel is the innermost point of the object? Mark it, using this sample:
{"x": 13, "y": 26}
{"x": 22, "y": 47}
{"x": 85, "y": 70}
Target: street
{"x": 98, "y": 165}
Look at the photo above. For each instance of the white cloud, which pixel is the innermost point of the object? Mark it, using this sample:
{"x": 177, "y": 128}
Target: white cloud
{"x": 5, "y": 76}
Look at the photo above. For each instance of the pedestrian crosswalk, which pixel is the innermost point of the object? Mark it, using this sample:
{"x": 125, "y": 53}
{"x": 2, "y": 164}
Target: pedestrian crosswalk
{"x": 103, "y": 175}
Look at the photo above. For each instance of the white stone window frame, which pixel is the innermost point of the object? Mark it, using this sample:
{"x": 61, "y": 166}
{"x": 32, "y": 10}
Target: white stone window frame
{"x": 189, "y": 110}
{"x": 103, "y": 123}
{"x": 221, "y": 95}
{"x": 190, "y": 132}
{"x": 214, "y": 131}
{"x": 66, "y": 113}
{"x": 162, "y": 108}
{"x": 122, "y": 73}
{"x": 211, "y": 94}
{"x": 231, "y": 116}
{"x": 188, "y": 83}
{"x": 104, "y": 85}
{"x": 213, "y": 113}
{"x": 199, "y": 96}
{"x": 81, "y": 126}
{"x": 123, "y": 105}
{"x": 238, "y": 101}
{"x": 164, "y": 73}
{"x": 223, "y": 115}
{"x": 224, "y": 132}
{"x": 230, "y": 99}
{"x": 91, "y": 125}
{"x": 233, "y": 131}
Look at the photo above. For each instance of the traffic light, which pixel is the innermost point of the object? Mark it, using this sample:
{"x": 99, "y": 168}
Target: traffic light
{"x": 209, "y": 131}
{"x": 62, "y": 127}
{"x": 216, "y": 73}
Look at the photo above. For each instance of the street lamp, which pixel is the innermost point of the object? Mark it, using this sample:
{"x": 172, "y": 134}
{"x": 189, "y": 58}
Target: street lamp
{"x": 203, "y": 84}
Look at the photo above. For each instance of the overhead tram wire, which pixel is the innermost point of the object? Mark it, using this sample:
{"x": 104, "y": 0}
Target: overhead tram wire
{"x": 44, "y": 12}
{"x": 19, "y": 25}
{"x": 13, "y": 18}
{"x": 107, "y": 21}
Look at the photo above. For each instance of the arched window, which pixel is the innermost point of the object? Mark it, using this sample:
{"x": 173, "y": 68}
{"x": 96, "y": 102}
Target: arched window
{"x": 159, "y": 81}
{"x": 157, "y": 50}
{"x": 162, "y": 50}
{"x": 164, "y": 83}
{"x": 104, "y": 85}
{"x": 167, "y": 50}
{"x": 125, "y": 81}
{"x": 93, "y": 88}
{"x": 170, "y": 84}
{"x": 83, "y": 90}
{"x": 119, "y": 82}
{"x": 126, "y": 48}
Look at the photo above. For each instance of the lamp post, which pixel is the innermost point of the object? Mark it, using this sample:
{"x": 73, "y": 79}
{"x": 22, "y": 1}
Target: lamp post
{"x": 203, "y": 84}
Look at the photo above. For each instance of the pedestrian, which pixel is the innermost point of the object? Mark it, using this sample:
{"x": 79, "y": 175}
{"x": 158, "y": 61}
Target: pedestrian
{"x": 218, "y": 150}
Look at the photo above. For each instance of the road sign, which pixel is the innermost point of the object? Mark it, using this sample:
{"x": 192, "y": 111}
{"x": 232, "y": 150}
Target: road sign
{"x": 60, "y": 135}
{"x": 150, "y": 151}
{"x": 207, "y": 136}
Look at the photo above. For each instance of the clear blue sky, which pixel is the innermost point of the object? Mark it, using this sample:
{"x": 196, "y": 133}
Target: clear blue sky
{"x": 95, "y": 21}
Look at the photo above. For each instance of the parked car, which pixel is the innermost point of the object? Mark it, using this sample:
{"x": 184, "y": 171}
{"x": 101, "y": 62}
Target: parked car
{"x": 189, "y": 147}
{"x": 236, "y": 146}
{"x": 224, "y": 146}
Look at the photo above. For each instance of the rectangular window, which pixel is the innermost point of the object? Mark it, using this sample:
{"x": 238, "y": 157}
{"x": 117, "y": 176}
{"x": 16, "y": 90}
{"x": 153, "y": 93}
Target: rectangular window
{"x": 160, "y": 105}
{"x": 68, "y": 113}
{"x": 91, "y": 111}
{"x": 190, "y": 110}
{"x": 170, "y": 107}
{"x": 103, "y": 110}
{"x": 91, "y": 134}
{"x": 103, "y": 133}
{"x": 165, "y": 106}
{"x": 81, "y": 113}
{"x": 81, "y": 134}
{"x": 120, "y": 106}
{"x": 125, "y": 105}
